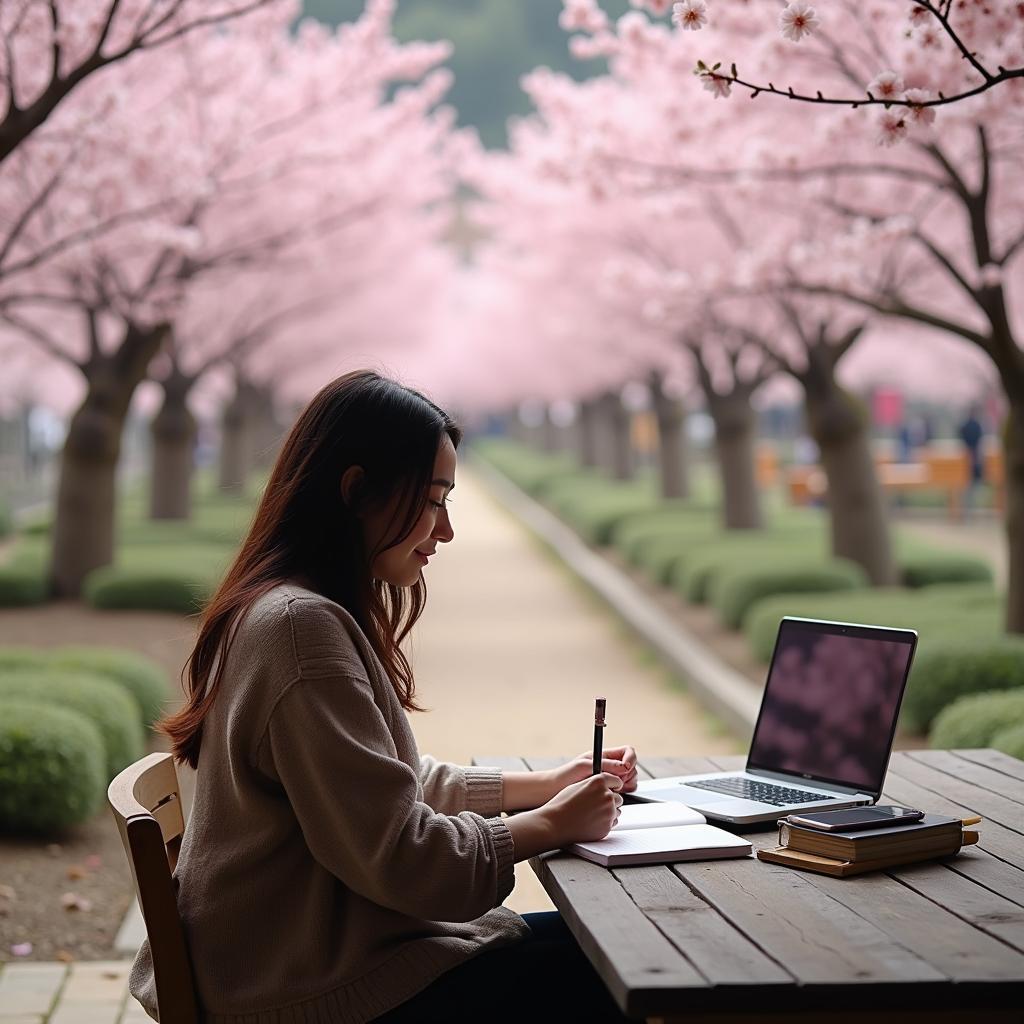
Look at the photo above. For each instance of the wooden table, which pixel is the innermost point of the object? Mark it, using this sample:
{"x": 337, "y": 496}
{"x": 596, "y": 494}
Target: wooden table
{"x": 743, "y": 940}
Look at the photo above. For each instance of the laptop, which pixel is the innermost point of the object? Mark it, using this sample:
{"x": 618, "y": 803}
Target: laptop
{"x": 824, "y": 732}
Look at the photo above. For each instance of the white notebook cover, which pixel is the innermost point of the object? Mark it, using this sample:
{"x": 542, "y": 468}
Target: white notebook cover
{"x": 661, "y": 834}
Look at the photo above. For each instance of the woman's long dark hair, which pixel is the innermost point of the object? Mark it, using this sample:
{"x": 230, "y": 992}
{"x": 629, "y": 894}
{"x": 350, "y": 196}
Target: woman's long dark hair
{"x": 303, "y": 527}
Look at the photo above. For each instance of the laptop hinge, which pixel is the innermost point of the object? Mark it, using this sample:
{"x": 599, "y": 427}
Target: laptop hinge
{"x": 799, "y": 780}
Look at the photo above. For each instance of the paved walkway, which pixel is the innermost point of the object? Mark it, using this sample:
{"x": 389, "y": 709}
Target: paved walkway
{"x": 509, "y": 654}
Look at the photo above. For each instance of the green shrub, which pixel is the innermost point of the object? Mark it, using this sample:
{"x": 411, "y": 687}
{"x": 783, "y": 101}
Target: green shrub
{"x": 152, "y": 589}
{"x": 1010, "y": 740}
{"x": 693, "y": 575}
{"x": 6, "y": 520}
{"x": 945, "y": 671}
{"x": 974, "y": 721}
{"x": 114, "y": 713}
{"x": 51, "y": 768}
{"x": 594, "y": 513}
{"x": 37, "y": 527}
{"x": 528, "y": 469}
{"x": 935, "y": 621}
{"x": 22, "y": 657}
{"x": 21, "y": 585}
{"x": 926, "y": 570}
{"x": 735, "y": 591}
{"x": 682, "y": 518}
{"x": 143, "y": 678}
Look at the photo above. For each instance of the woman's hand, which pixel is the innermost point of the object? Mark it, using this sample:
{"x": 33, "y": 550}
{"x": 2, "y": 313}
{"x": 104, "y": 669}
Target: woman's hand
{"x": 619, "y": 761}
{"x": 584, "y": 811}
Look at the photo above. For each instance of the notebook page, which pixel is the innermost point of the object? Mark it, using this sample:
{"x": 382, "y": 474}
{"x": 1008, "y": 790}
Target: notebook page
{"x": 656, "y": 816}
{"x": 666, "y": 840}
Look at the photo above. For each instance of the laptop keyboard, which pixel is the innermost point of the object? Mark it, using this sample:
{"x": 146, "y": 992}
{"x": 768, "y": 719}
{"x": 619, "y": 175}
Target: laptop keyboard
{"x": 763, "y": 792}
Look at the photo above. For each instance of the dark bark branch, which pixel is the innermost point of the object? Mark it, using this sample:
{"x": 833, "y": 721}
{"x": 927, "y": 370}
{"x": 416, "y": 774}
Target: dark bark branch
{"x": 30, "y": 210}
{"x": 19, "y": 123}
{"x": 947, "y": 262}
{"x": 896, "y": 306}
{"x": 943, "y": 17}
{"x": 95, "y": 350}
{"x": 82, "y": 235}
{"x": 44, "y": 340}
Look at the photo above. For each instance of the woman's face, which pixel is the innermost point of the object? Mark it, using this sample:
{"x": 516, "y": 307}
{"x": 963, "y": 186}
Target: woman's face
{"x": 401, "y": 564}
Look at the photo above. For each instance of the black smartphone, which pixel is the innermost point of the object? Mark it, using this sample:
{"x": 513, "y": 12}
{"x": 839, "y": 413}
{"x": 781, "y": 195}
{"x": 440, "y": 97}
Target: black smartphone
{"x": 852, "y": 818}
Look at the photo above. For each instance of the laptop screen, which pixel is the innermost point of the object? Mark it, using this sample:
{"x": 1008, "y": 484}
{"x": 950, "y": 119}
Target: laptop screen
{"x": 831, "y": 701}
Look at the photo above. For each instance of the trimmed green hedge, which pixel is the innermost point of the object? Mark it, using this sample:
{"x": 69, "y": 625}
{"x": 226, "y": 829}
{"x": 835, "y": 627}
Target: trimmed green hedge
{"x": 151, "y": 589}
{"x": 21, "y": 585}
{"x": 143, "y": 678}
{"x": 974, "y": 721}
{"x": 138, "y": 675}
{"x": 52, "y": 768}
{"x": 735, "y": 591}
{"x": 945, "y": 671}
{"x": 528, "y": 469}
{"x": 935, "y": 620}
{"x": 1010, "y": 740}
{"x": 693, "y": 575}
{"x": 114, "y": 713}
{"x": 925, "y": 570}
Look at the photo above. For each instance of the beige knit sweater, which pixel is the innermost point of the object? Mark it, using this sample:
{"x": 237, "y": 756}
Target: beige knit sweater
{"x": 327, "y": 871}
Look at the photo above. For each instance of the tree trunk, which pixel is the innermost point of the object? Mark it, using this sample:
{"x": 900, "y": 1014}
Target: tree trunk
{"x": 859, "y": 520}
{"x": 735, "y": 436}
{"x": 550, "y": 435}
{"x": 589, "y": 439}
{"x": 235, "y": 445}
{"x": 1013, "y": 461}
{"x": 673, "y": 452}
{"x": 618, "y": 443}
{"x": 174, "y": 439}
{"x": 266, "y": 431}
{"x": 83, "y": 530}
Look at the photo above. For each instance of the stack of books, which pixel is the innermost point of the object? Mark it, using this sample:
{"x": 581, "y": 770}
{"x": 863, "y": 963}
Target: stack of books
{"x": 855, "y": 852}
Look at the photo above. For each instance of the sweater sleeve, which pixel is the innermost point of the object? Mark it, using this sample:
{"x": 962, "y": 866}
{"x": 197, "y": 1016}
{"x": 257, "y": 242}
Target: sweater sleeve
{"x": 358, "y": 806}
{"x": 450, "y": 788}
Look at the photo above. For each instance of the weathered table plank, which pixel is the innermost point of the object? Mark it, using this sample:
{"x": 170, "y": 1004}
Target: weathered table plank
{"x": 988, "y": 804}
{"x": 709, "y": 940}
{"x": 995, "y": 840}
{"x": 995, "y": 759}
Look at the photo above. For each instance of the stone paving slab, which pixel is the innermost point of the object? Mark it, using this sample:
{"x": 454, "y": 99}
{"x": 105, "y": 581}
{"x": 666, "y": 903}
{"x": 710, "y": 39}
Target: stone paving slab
{"x": 28, "y": 991}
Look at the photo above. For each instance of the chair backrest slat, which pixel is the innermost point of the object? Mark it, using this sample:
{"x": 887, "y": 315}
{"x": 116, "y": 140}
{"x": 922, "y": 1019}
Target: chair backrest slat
{"x": 146, "y": 803}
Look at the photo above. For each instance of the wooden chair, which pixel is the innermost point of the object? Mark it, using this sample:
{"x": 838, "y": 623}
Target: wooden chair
{"x": 146, "y": 802}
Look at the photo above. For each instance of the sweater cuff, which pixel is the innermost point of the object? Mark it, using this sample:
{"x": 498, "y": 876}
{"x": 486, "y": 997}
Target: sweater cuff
{"x": 484, "y": 790}
{"x": 505, "y": 848}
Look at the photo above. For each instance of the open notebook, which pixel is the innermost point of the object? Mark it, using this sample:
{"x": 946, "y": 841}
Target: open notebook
{"x": 660, "y": 834}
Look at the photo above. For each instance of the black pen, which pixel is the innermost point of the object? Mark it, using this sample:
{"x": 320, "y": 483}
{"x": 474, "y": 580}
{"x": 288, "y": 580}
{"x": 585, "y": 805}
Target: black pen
{"x": 599, "y": 706}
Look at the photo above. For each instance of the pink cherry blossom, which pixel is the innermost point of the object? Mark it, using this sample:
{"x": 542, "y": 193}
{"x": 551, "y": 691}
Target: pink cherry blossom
{"x": 892, "y": 127}
{"x": 690, "y": 14}
{"x": 919, "y": 115}
{"x": 798, "y": 19}
{"x": 718, "y": 86}
{"x": 887, "y": 85}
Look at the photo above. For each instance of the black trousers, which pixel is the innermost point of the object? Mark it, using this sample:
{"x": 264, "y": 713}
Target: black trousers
{"x": 546, "y": 977}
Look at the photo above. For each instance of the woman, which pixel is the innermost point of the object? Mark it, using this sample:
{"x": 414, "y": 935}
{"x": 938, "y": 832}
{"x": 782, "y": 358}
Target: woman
{"x": 327, "y": 871}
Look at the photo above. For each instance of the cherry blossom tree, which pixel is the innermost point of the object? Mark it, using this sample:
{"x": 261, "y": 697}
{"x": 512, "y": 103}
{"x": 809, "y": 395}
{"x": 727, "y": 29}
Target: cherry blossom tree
{"x": 244, "y": 163}
{"x": 928, "y": 229}
{"x": 53, "y": 46}
{"x": 970, "y": 46}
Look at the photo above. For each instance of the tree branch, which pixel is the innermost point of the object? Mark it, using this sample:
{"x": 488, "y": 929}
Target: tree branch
{"x": 41, "y": 338}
